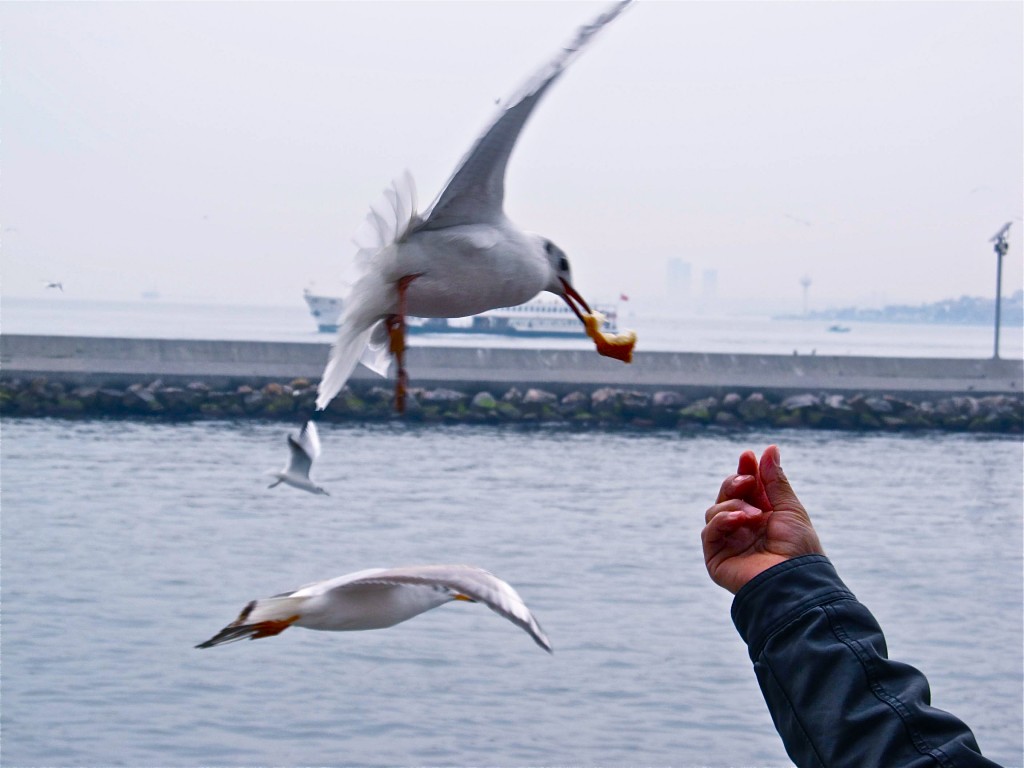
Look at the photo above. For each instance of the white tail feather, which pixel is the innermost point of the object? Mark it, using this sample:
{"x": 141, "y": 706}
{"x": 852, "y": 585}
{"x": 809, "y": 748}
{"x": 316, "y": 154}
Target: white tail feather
{"x": 260, "y": 618}
{"x": 345, "y": 354}
{"x": 388, "y": 222}
{"x": 377, "y": 355}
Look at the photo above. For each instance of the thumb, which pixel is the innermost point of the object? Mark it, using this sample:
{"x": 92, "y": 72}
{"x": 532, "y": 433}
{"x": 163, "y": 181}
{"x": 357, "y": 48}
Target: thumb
{"x": 780, "y": 493}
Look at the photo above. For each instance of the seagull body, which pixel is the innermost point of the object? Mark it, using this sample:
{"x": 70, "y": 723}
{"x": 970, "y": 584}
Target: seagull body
{"x": 377, "y": 598}
{"x": 304, "y": 448}
{"x": 54, "y": 284}
{"x": 461, "y": 257}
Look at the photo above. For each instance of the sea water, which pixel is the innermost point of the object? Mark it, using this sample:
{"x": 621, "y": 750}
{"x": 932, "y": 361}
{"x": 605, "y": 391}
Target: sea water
{"x": 125, "y": 543}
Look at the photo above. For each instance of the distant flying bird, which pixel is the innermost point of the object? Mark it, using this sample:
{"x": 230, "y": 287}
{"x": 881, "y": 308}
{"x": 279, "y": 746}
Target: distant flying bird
{"x": 462, "y": 256}
{"x": 53, "y": 284}
{"x": 304, "y": 449}
{"x": 377, "y": 598}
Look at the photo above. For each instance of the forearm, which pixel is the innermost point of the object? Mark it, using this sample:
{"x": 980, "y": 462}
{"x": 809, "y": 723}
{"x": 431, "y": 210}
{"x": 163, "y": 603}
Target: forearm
{"x": 835, "y": 697}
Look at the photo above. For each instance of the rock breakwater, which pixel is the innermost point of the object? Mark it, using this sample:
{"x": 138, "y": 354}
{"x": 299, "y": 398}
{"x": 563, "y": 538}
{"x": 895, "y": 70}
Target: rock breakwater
{"x": 604, "y": 407}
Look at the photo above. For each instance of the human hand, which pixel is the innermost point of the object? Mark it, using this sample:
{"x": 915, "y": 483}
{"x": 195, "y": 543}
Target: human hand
{"x": 756, "y": 522}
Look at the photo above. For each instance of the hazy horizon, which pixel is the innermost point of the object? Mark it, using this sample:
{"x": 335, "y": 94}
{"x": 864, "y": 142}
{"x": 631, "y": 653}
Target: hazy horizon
{"x": 228, "y": 152}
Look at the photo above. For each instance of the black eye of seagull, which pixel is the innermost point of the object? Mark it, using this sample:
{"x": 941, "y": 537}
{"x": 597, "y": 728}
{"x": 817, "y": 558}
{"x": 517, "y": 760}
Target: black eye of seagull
{"x": 563, "y": 264}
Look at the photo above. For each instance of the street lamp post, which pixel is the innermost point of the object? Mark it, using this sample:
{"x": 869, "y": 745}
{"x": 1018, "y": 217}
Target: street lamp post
{"x": 1001, "y": 247}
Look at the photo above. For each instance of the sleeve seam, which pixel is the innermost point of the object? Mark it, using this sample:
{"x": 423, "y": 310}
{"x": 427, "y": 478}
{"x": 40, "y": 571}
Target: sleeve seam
{"x": 793, "y": 710}
{"x": 882, "y": 694}
{"x": 819, "y": 601}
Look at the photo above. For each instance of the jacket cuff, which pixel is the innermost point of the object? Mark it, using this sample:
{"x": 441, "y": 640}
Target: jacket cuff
{"x": 778, "y": 596}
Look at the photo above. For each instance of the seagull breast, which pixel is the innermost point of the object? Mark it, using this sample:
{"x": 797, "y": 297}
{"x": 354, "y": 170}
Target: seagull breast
{"x": 468, "y": 269}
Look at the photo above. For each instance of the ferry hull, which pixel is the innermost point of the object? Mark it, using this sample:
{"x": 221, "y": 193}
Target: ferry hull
{"x": 538, "y": 318}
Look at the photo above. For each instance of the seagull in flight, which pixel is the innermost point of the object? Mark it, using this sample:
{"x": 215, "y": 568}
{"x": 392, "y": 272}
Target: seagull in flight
{"x": 304, "y": 449}
{"x": 377, "y": 598}
{"x": 460, "y": 257}
{"x": 54, "y": 284}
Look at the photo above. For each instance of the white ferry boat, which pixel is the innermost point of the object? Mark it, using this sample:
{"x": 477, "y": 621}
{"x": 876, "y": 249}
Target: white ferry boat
{"x": 542, "y": 316}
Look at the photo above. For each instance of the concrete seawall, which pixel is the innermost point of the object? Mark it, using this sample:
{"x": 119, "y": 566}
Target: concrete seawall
{"x": 110, "y": 361}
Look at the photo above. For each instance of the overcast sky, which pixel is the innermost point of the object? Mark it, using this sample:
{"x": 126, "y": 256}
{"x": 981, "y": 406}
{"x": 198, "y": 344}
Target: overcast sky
{"x": 229, "y": 151}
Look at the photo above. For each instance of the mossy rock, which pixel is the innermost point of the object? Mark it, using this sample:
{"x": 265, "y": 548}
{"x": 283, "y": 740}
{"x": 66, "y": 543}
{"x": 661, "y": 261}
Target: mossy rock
{"x": 279, "y": 405}
{"x": 70, "y": 406}
{"x": 788, "y": 419}
{"x": 702, "y": 411}
{"x": 727, "y": 419}
{"x": 508, "y": 411}
{"x": 755, "y": 409}
{"x": 867, "y": 420}
{"x": 484, "y": 401}
{"x": 211, "y": 409}
{"x": 347, "y": 403}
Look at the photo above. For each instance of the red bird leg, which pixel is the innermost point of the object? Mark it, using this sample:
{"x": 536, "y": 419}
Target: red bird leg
{"x": 396, "y": 333}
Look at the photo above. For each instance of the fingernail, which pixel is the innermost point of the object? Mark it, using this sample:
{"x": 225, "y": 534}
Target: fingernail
{"x": 776, "y": 456}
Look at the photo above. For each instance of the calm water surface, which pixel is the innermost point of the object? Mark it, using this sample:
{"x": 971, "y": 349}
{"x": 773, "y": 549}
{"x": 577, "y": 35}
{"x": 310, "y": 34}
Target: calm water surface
{"x": 125, "y": 544}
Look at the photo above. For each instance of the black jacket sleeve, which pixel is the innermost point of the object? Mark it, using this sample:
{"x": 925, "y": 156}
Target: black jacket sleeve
{"x": 834, "y": 695}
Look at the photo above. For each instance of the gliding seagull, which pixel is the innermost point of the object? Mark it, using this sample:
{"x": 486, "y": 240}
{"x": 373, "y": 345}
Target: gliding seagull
{"x": 304, "y": 450}
{"x": 462, "y": 256}
{"x": 378, "y": 598}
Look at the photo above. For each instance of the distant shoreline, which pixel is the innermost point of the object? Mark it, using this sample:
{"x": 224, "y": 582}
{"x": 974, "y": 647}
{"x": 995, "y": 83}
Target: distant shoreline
{"x": 186, "y": 379}
{"x": 966, "y": 310}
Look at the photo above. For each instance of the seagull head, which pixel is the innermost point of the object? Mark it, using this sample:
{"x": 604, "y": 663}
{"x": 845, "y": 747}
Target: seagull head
{"x": 560, "y": 279}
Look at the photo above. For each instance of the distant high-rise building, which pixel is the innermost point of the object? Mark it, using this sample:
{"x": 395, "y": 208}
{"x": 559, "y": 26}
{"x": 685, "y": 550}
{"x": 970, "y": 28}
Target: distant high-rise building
{"x": 680, "y": 279}
{"x": 709, "y": 285}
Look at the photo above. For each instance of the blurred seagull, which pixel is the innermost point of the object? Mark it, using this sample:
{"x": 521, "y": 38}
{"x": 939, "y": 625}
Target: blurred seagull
{"x": 378, "y": 598}
{"x": 462, "y": 256}
{"x": 53, "y": 284}
{"x": 304, "y": 450}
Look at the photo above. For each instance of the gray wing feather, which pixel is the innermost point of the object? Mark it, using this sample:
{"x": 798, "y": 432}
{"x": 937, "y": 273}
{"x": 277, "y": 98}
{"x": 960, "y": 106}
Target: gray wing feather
{"x": 468, "y": 580}
{"x": 476, "y": 191}
{"x": 304, "y": 449}
{"x": 300, "y": 463}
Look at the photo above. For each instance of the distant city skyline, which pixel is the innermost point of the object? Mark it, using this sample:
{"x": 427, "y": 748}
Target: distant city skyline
{"x": 228, "y": 152}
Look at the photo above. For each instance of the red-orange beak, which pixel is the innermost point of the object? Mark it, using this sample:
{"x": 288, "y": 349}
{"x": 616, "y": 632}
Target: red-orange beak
{"x": 572, "y": 297}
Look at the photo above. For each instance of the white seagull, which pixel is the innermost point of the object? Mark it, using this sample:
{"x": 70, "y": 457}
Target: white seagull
{"x": 378, "y": 598}
{"x": 54, "y": 284}
{"x": 304, "y": 450}
{"x": 462, "y": 256}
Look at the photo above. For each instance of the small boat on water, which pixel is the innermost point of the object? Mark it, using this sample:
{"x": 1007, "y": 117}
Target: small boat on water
{"x": 839, "y": 329}
{"x": 540, "y": 316}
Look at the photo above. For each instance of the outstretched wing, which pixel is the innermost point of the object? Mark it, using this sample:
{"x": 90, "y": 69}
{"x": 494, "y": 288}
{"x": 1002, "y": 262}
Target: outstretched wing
{"x": 309, "y": 439}
{"x": 467, "y": 580}
{"x": 304, "y": 449}
{"x": 476, "y": 191}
